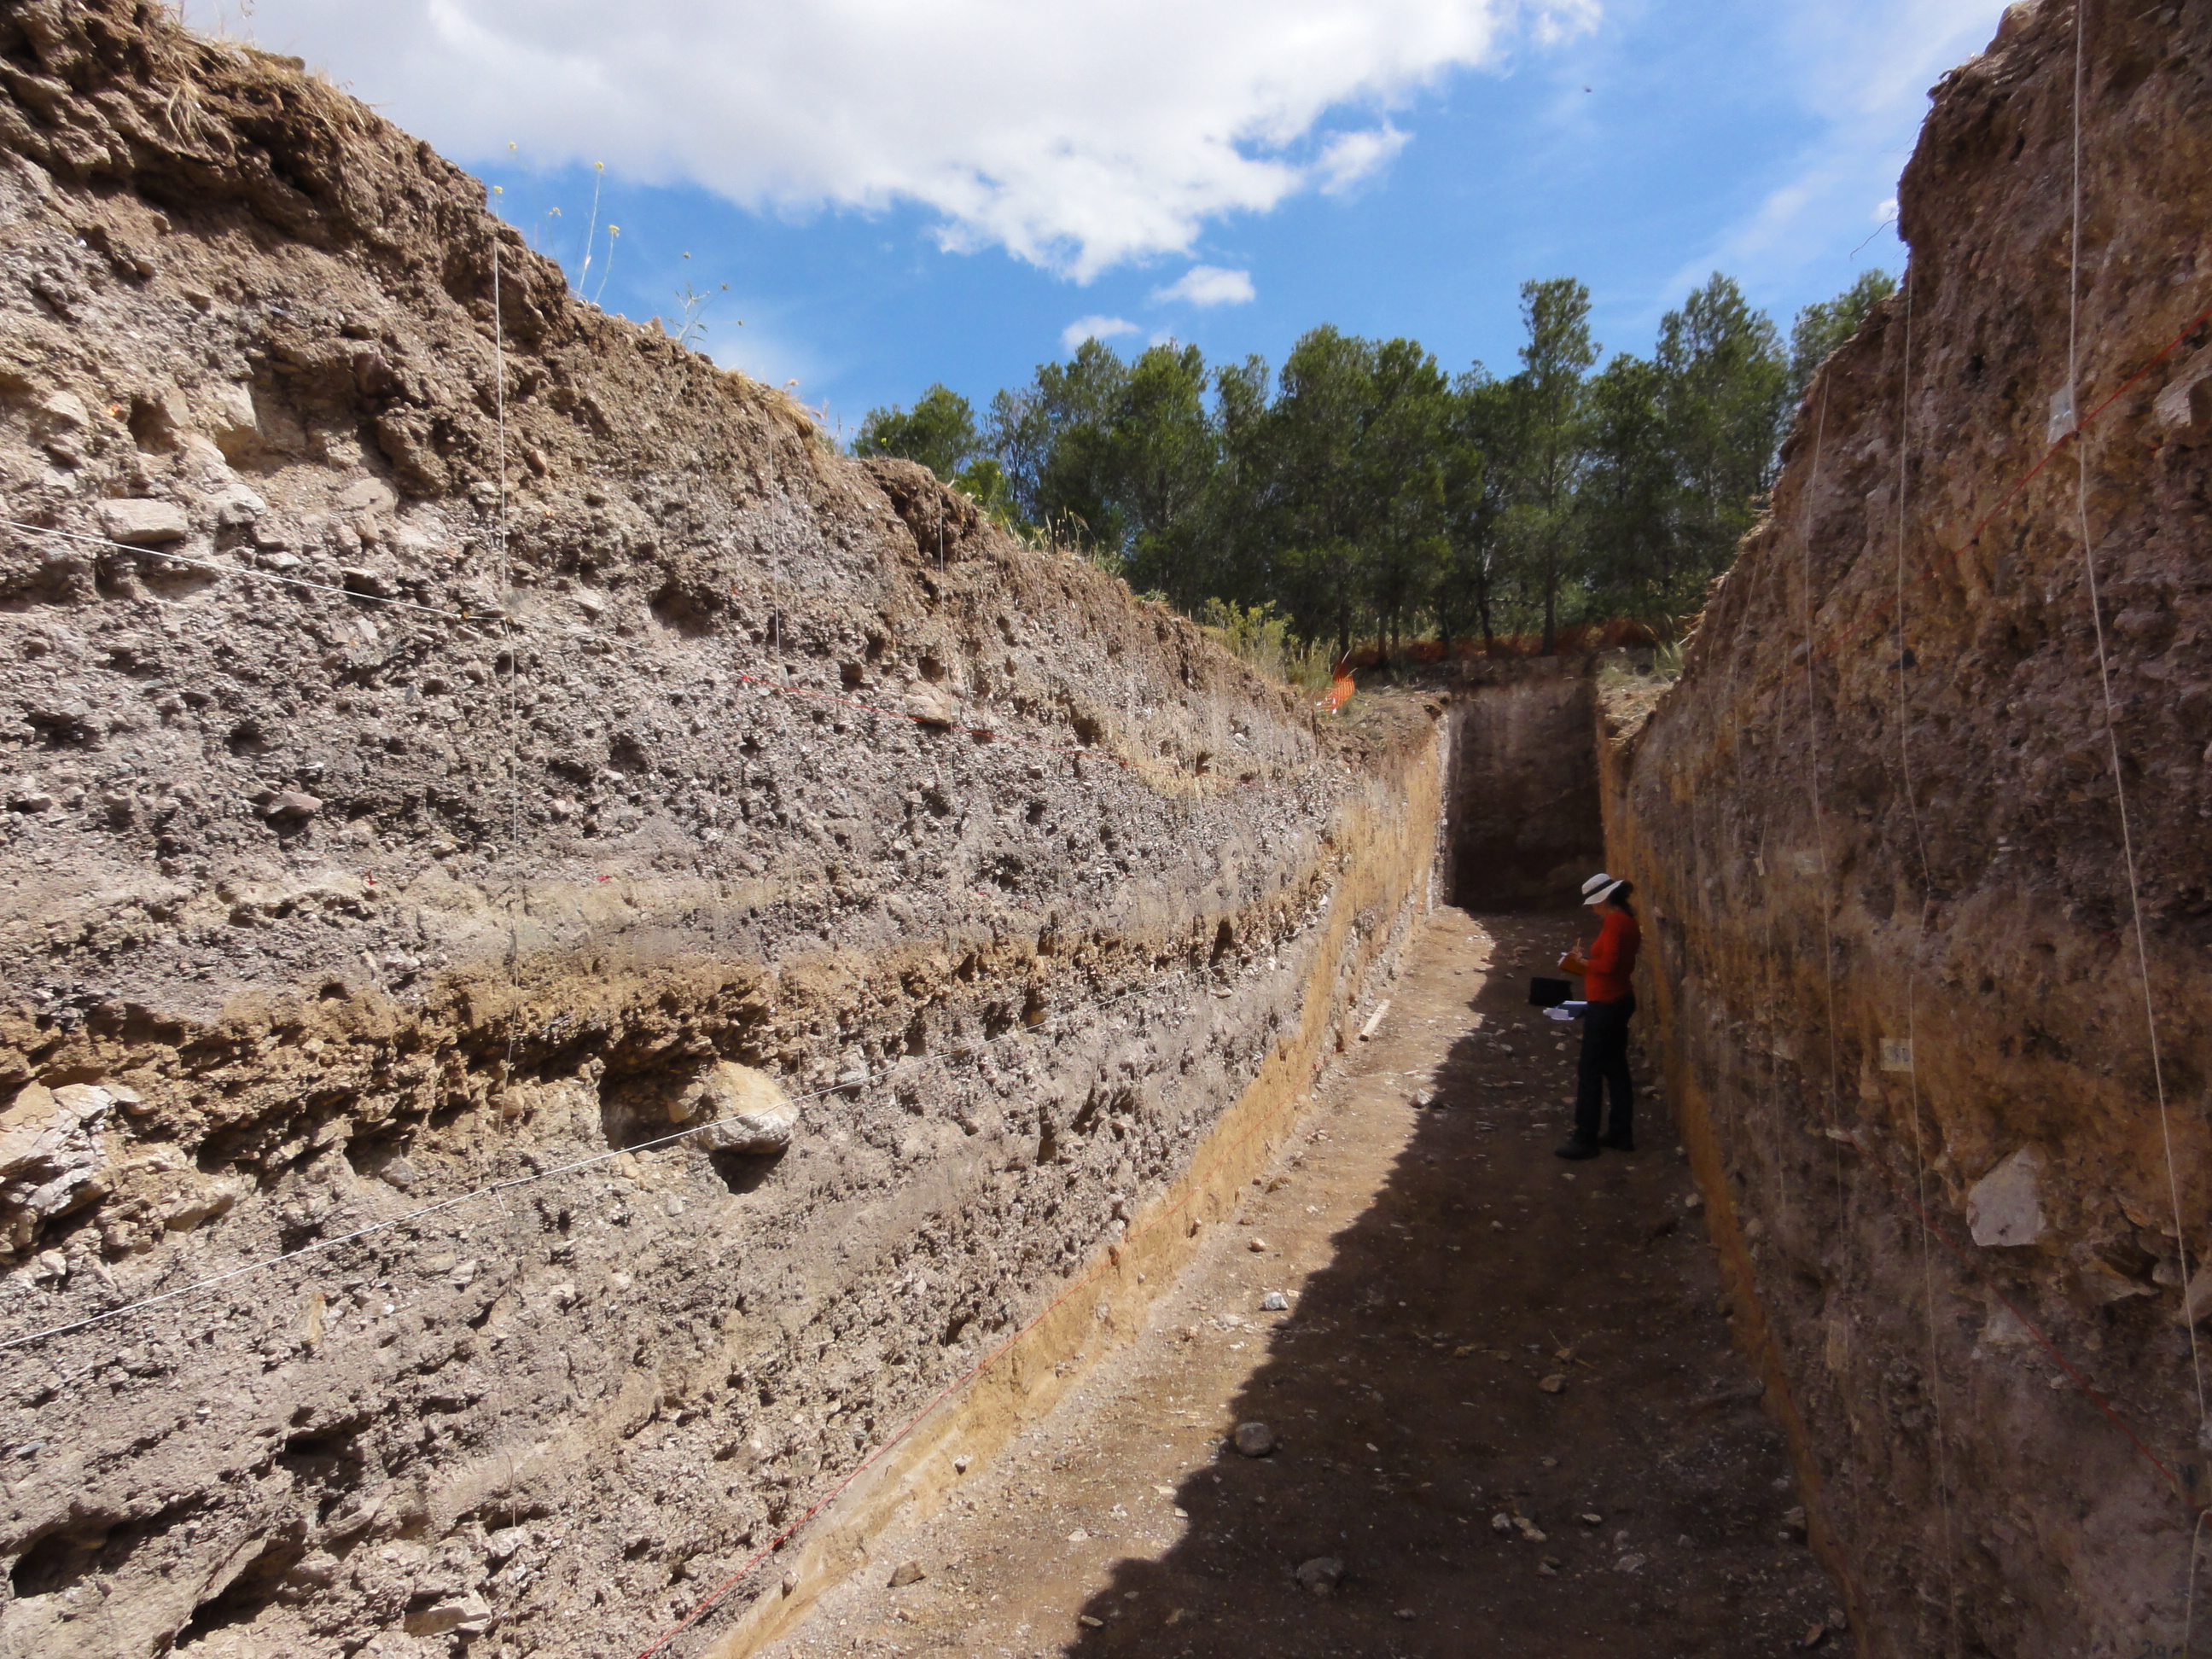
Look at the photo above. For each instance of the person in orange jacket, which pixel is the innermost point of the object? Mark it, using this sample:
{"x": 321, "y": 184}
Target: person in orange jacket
{"x": 1605, "y": 968}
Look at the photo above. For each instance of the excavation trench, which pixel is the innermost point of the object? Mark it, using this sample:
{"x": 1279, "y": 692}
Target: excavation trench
{"x": 1472, "y": 1332}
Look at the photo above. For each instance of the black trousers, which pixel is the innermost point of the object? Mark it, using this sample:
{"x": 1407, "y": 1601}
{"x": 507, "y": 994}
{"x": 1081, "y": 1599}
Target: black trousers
{"x": 1604, "y": 1068}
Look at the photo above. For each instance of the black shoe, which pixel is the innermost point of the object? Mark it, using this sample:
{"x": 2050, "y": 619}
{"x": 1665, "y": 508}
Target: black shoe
{"x": 1618, "y": 1143}
{"x": 1577, "y": 1150}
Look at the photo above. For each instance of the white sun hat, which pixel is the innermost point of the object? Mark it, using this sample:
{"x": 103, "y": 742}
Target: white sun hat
{"x": 1600, "y": 887}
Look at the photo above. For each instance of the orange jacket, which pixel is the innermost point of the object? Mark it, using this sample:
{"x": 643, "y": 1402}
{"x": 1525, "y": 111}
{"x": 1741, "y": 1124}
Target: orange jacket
{"x": 1608, "y": 964}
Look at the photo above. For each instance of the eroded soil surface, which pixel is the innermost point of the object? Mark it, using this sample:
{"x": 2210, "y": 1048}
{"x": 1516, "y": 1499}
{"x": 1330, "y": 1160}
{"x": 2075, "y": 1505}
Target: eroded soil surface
{"x": 1440, "y": 1265}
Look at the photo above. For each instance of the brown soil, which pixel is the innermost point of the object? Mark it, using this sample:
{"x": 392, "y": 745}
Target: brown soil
{"x": 1440, "y": 1265}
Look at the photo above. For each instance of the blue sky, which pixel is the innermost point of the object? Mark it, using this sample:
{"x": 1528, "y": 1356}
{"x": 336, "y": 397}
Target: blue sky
{"x": 901, "y": 192}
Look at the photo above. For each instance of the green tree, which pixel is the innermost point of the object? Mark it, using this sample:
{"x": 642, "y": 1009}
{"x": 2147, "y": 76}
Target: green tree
{"x": 1548, "y": 466}
{"x": 1403, "y": 449}
{"x": 1478, "y": 477}
{"x": 1722, "y": 384}
{"x": 940, "y": 432}
{"x": 1163, "y": 449}
{"x": 1627, "y": 497}
{"x": 1327, "y": 390}
{"x": 1825, "y": 325}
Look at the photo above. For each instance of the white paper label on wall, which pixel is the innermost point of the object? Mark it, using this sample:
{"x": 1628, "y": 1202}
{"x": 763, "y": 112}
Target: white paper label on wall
{"x": 1896, "y": 1054}
{"x": 2062, "y": 416}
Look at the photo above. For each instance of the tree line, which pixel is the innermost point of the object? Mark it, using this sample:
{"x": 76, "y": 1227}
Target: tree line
{"x": 1363, "y": 491}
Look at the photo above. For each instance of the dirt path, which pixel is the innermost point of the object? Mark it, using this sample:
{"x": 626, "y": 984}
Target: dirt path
{"x": 1440, "y": 1266}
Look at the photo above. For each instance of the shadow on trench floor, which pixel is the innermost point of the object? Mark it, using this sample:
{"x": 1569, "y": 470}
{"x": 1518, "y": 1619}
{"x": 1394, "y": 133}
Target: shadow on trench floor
{"x": 1504, "y": 1403}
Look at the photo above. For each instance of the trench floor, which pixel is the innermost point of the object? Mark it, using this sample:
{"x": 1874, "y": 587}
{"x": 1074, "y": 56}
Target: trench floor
{"x": 1440, "y": 1265}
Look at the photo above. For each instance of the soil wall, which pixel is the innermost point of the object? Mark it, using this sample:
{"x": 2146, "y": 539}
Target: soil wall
{"x": 1893, "y": 954}
{"x": 1523, "y": 824}
{"x": 441, "y": 725}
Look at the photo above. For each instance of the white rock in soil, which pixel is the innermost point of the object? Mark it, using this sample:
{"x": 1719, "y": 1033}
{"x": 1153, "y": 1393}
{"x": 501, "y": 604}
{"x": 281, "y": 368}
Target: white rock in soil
{"x": 748, "y": 1111}
{"x": 1274, "y": 1301}
{"x": 366, "y": 496}
{"x": 931, "y": 705}
{"x": 2004, "y": 1206}
{"x": 143, "y": 523}
{"x": 63, "y": 411}
{"x": 49, "y": 1152}
{"x": 2195, "y": 1301}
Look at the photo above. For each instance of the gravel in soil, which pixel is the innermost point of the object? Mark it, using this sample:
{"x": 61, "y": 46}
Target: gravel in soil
{"x": 1502, "y": 1409}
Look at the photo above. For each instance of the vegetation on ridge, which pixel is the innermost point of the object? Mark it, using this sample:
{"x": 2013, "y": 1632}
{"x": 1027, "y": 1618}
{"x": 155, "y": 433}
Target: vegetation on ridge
{"x": 1361, "y": 491}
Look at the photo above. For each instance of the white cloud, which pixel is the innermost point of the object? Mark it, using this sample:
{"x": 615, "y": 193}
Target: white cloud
{"x": 1350, "y": 157}
{"x": 1208, "y": 285}
{"x": 1075, "y": 135}
{"x": 1095, "y": 328}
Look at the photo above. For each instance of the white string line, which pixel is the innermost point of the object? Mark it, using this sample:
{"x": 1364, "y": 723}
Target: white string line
{"x": 2112, "y": 734}
{"x": 241, "y": 570}
{"x": 320, "y": 1245}
{"x": 1912, "y": 1011}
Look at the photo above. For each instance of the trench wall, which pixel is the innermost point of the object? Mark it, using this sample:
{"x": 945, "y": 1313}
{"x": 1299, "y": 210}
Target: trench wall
{"x": 1522, "y": 824}
{"x": 1892, "y": 966}
{"x": 1384, "y": 869}
{"x": 391, "y": 839}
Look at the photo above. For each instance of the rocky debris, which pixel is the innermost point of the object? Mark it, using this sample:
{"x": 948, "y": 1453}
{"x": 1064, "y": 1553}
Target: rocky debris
{"x": 462, "y": 1615}
{"x": 932, "y": 706}
{"x": 2196, "y": 1299}
{"x": 1254, "y": 1440}
{"x": 1555, "y": 1384}
{"x": 2003, "y": 1208}
{"x": 1274, "y": 1301}
{"x": 52, "y": 1159}
{"x": 291, "y": 803}
{"x": 1320, "y": 1576}
{"x": 1257, "y": 1246}
{"x": 143, "y": 523}
{"x": 579, "y": 834}
{"x": 907, "y": 1572}
{"x": 746, "y": 1111}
